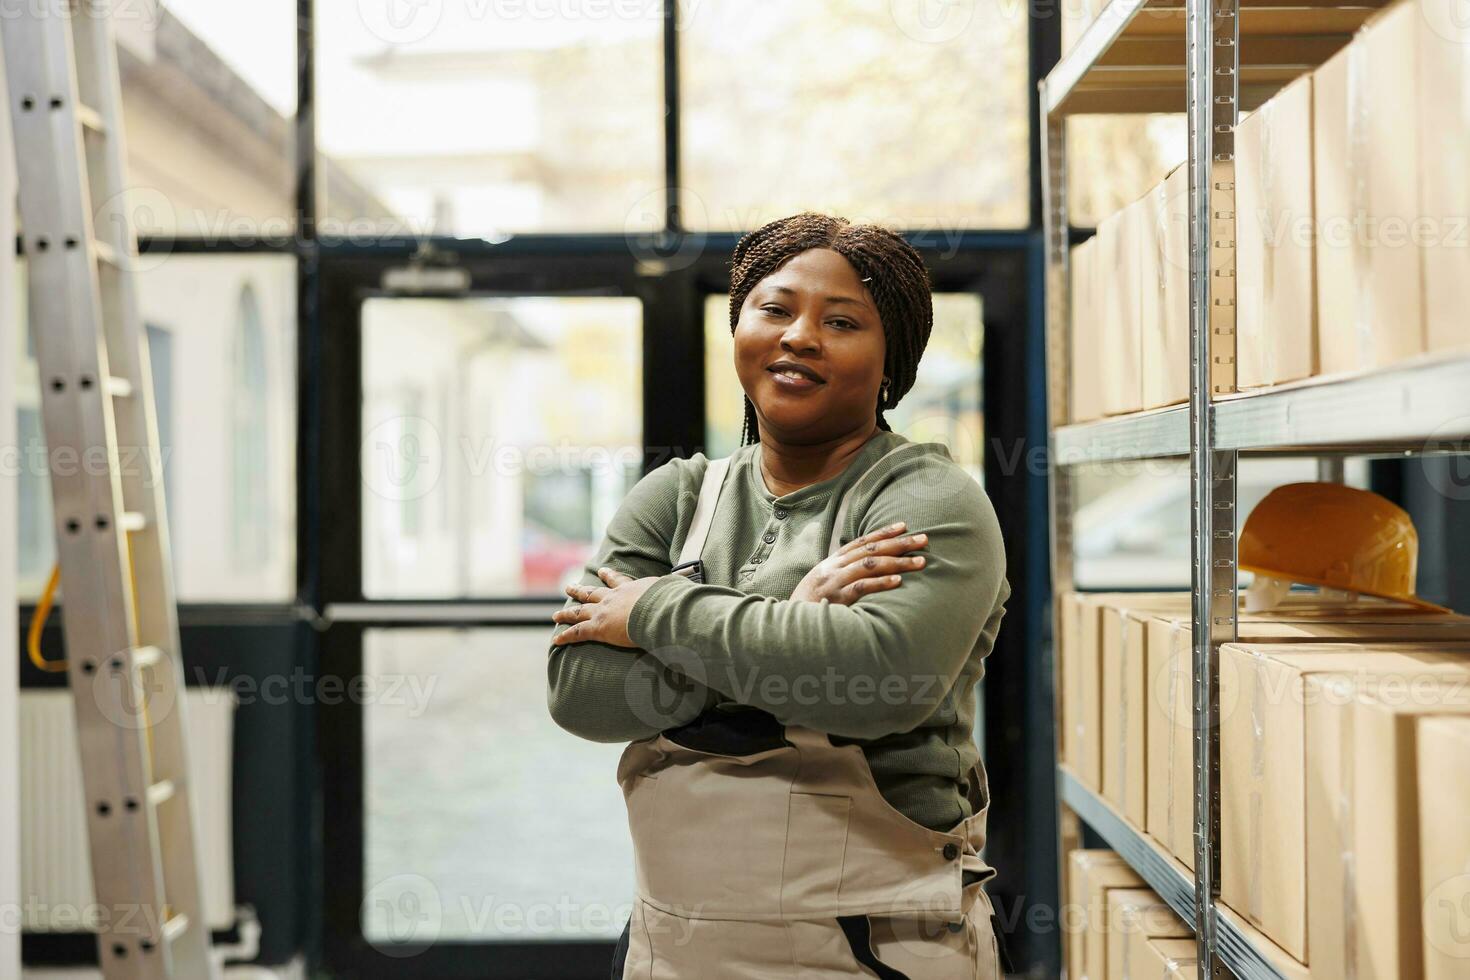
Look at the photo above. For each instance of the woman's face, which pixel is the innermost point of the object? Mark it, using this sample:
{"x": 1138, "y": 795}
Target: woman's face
{"x": 814, "y": 316}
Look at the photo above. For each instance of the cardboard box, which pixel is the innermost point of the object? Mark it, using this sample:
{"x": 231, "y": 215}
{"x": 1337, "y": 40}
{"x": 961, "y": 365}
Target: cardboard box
{"x": 1084, "y": 706}
{"x": 1363, "y": 876}
{"x": 1123, "y": 699}
{"x": 1369, "y": 301}
{"x": 1275, "y": 332}
{"x": 1086, "y": 333}
{"x": 1444, "y": 845}
{"x": 1161, "y": 959}
{"x": 1443, "y": 126}
{"x": 1166, "y": 334}
{"x": 1089, "y": 871}
{"x": 1138, "y": 914}
{"x": 1170, "y": 743}
{"x": 1102, "y": 885}
{"x": 1120, "y": 357}
{"x": 1263, "y": 782}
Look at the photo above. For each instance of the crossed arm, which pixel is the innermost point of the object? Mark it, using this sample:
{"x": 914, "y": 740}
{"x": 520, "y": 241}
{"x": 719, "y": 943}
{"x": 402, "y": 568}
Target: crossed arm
{"x": 864, "y": 670}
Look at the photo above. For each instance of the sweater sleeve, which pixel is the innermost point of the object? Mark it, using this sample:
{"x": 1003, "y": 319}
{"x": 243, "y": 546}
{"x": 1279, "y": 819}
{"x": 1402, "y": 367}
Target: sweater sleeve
{"x": 615, "y": 694}
{"x": 874, "y": 668}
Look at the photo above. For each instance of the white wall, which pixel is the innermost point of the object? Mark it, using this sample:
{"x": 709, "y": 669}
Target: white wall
{"x": 9, "y": 706}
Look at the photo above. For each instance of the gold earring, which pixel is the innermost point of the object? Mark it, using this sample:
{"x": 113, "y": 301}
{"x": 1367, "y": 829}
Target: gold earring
{"x": 884, "y": 395}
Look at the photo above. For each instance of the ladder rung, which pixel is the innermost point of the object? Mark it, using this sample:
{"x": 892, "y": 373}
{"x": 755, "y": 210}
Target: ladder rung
{"x": 131, "y": 521}
{"x": 91, "y": 119}
{"x": 161, "y": 792}
{"x": 147, "y": 657}
{"x": 175, "y": 927}
{"x": 119, "y": 387}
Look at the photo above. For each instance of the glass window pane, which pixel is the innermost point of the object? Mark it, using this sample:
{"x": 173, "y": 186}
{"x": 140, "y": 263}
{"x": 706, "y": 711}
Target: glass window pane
{"x": 499, "y": 437}
{"x": 221, "y": 427}
{"x": 209, "y": 96}
{"x": 1131, "y": 525}
{"x": 479, "y": 119}
{"x": 899, "y": 111}
{"x": 1112, "y": 161}
{"x": 944, "y": 404}
{"x": 489, "y": 819}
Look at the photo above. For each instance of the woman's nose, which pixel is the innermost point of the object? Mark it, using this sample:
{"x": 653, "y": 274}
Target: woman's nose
{"x": 801, "y": 334}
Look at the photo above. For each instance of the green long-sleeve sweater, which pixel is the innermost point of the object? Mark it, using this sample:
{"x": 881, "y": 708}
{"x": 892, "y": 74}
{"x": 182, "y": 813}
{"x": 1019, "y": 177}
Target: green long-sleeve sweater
{"x": 895, "y": 672}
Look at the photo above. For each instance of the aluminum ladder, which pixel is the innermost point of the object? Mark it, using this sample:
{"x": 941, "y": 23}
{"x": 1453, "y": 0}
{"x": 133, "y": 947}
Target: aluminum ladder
{"x": 120, "y": 622}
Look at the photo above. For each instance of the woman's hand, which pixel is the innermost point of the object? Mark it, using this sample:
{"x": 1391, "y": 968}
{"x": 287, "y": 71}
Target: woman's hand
{"x": 871, "y": 563}
{"x": 603, "y": 613}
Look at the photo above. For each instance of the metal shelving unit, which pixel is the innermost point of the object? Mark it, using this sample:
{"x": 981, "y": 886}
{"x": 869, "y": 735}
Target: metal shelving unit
{"x": 1210, "y": 59}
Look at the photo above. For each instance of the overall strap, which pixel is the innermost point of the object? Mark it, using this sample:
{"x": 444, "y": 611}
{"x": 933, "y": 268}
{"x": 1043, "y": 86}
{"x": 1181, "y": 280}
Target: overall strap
{"x": 704, "y": 510}
{"x": 842, "y": 507}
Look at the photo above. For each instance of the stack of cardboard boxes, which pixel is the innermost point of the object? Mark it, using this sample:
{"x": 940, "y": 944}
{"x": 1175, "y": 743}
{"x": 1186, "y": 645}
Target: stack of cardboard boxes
{"x": 1352, "y": 245}
{"x": 1332, "y": 834}
{"x": 1119, "y": 929}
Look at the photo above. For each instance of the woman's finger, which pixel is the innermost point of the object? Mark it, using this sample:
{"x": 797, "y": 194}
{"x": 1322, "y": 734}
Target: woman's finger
{"x": 572, "y": 614}
{"x": 613, "y": 577}
{"x": 865, "y": 586}
{"x": 586, "y": 593}
{"x": 856, "y": 544}
{"x": 875, "y": 566}
{"x": 887, "y": 546}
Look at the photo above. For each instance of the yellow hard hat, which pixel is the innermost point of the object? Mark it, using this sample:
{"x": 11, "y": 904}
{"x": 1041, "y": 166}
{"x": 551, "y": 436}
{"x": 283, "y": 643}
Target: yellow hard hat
{"x": 1334, "y": 536}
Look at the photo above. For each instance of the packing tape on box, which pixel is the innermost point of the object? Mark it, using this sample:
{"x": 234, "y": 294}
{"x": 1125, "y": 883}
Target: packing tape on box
{"x": 1359, "y": 177}
{"x": 1254, "y": 903}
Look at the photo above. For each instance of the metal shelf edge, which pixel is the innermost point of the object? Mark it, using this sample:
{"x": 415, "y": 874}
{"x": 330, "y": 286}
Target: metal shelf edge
{"x": 1238, "y": 954}
{"x": 1417, "y": 405}
{"x": 1095, "y": 41}
{"x": 1236, "y": 951}
{"x": 1151, "y": 434}
{"x": 1175, "y": 888}
{"x": 1430, "y": 394}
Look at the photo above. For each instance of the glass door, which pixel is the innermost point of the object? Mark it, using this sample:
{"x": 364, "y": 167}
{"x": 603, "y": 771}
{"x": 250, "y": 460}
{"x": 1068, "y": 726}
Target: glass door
{"x": 494, "y": 430}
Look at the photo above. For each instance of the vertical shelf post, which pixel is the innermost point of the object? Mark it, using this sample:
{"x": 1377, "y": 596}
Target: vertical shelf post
{"x": 1057, "y": 285}
{"x": 1213, "y": 106}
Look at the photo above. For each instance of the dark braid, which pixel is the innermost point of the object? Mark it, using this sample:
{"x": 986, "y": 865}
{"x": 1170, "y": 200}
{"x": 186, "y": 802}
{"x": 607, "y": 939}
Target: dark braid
{"x": 889, "y": 266}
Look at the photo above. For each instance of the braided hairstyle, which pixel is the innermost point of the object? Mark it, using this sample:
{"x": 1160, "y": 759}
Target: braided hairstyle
{"x": 889, "y": 266}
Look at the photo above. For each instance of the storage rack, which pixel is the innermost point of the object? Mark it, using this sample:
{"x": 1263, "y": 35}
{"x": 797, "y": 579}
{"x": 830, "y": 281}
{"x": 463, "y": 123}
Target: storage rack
{"x": 1210, "y": 59}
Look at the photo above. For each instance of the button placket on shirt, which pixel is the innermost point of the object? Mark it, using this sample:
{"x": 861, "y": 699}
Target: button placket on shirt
{"x": 769, "y": 537}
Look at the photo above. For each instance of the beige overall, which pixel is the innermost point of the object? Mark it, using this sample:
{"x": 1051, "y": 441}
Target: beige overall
{"x": 765, "y": 852}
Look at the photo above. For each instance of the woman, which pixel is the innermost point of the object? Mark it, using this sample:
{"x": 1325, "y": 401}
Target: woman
{"x": 795, "y": 670}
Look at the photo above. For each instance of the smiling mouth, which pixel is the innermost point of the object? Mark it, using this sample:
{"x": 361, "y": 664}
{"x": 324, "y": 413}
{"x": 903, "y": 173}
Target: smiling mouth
{"x": 795, "y": 374}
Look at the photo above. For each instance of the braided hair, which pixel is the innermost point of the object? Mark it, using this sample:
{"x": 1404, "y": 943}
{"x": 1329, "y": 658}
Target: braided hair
{"x": 890, "y": 268}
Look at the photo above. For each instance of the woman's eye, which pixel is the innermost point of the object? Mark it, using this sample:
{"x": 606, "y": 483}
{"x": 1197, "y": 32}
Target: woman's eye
{"x": 844, "y": 324}
{"x": 775, "y": 310}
